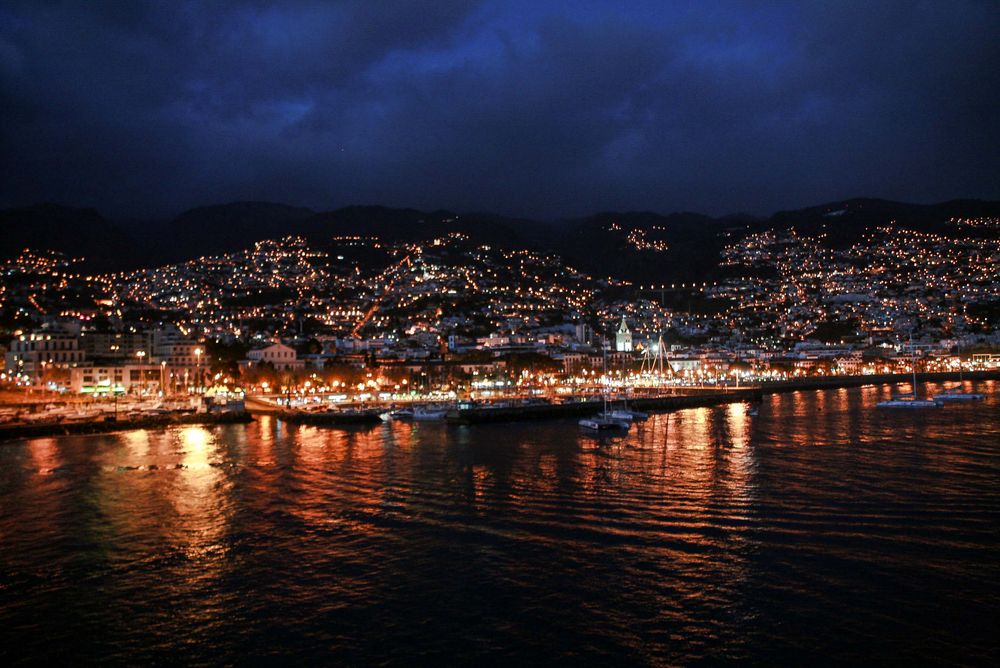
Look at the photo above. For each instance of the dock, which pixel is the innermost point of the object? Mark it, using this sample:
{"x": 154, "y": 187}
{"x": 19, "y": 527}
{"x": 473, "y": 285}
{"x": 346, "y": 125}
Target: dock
{"x": 109, "y": 424}
{"x": 482, "y": 414}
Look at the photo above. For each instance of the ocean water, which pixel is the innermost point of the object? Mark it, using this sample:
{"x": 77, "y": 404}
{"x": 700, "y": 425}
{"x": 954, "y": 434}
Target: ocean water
{"x": 822, "y": 530}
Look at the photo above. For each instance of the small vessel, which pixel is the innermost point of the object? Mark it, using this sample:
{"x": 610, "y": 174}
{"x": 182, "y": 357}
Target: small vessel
{"x": 753, "y": 411}
{"x": 909, "y": 399}
{"x": 402, "y": 414}
{"x": 628, "y": 414}
{"x": 426, "y": 414}
{"x": 955, "y": 393}
{"x": 606, "y": 420}
{"x": 958, "y": 395}
{"x": 908, "y": 403}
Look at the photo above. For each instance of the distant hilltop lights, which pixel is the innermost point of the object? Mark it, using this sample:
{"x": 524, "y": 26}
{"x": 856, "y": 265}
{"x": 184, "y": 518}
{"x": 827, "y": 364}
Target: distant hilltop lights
{"x": 448, "y": 310}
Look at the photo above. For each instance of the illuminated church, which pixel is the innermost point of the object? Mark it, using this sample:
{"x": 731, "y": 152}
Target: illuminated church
{"x": 623, "y": 339}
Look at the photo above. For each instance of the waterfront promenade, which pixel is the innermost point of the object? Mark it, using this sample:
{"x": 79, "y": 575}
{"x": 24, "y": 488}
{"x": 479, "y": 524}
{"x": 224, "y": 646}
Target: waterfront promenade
{"x": 520, "y": 408}
{"x": 510, "y": 410}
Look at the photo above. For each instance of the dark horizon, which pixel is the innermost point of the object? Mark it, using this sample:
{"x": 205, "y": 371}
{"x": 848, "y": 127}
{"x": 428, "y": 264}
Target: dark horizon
{"x": 145, "y": 110}
{"x": 139, "y": 220}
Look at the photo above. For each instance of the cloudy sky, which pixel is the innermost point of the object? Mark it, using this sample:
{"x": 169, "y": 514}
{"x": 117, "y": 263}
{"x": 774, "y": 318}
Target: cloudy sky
{"x": 523, "y": 108}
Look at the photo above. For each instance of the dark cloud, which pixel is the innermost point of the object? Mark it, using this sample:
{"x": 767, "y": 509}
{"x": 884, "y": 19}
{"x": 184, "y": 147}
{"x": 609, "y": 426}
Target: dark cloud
{"x": 528, "y": 108}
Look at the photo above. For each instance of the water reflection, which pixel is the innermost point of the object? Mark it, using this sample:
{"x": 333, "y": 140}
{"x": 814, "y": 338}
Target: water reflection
{"x": 701, "y": 535}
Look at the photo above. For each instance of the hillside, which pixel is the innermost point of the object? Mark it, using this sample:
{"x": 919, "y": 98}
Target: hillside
{"x": 73, "y": 231}
{"x": 639, "y": 246}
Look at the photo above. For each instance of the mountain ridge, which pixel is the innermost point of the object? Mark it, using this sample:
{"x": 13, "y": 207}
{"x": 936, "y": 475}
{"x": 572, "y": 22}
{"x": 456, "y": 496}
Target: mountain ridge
{"x": 634, "y": 244}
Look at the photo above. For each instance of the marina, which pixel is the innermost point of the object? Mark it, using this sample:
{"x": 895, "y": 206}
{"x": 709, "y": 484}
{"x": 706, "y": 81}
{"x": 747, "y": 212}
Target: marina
{"x": 71, "y": 420}
{"x": 514, "y": 410}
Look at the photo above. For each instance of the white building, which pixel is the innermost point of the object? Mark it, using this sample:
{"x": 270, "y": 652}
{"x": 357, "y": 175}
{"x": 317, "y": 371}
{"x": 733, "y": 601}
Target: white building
{"x": 145, "y": 379}
{"x": 278, "y": 355}
{"x": 43, "y": 356}
{"x": 623, "y": 339}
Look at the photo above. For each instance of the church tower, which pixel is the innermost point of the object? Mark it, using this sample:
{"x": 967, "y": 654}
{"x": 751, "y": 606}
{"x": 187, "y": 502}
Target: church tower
{"x": 623, "y": 339}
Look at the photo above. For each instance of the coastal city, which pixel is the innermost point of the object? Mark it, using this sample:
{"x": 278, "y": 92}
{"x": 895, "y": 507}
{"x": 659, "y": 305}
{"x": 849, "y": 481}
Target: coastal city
{"x": 362, "y": 321}
{"x": 499, "y": 333}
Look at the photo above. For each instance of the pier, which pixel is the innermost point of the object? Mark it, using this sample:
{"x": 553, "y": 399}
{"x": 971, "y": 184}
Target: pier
{"x": 683, "y": 397}
{"x": 110, "y": 424}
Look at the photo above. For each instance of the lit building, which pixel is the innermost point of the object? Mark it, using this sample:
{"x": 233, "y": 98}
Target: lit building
{"x": 623, "y": 338}
{"x": 277, "y": 355}
{"x": 43, "y": 356}
{"x": 101, "y": 380}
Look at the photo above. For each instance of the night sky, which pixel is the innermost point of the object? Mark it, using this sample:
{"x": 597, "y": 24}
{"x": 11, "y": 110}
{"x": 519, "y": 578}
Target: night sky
{"x": 521, "y": 108}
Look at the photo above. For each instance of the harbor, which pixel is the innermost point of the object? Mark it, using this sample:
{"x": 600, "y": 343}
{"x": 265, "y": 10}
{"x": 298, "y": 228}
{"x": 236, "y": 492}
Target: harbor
{"x": 33, "y": 419}
{"x": 109, "y": 424}
{"x": 67, "y": 419}
{"x": 515, "y": 409}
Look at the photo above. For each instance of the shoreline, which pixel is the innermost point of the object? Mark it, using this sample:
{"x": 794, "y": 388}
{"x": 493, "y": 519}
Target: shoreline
{"x": 837, "y": 382}
{"x": 692, "y": 398}
{"x": 83, "y": 427}
{"x": 700, "y": 398}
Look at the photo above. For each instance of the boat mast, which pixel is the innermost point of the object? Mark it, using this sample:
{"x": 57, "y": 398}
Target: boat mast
{"x": 604, "y": 391}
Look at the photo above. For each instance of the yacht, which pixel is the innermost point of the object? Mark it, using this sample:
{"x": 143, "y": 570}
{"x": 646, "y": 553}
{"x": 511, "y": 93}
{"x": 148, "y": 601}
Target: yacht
{"x": 909, "y": 399}
{"x": 899, "y": 402}
{"x": 606, "y": 420}
{"x": 627, "y": 413}
{"x": 955, "y": 393}
{"x": 427, "y": 414}
{"x": 958, "y": 395}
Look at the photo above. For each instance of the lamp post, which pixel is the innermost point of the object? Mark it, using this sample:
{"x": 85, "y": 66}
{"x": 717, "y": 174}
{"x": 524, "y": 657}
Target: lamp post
{"x": 141, "y": 354}
{"x": 197, "y": 356}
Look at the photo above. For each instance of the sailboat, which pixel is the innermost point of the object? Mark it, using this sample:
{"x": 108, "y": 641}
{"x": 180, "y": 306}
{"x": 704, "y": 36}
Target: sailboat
{"x": 909, "y": 400}
{"x": 956, "y": 394}
{"x": 606, "y": 420}
{"x": 630, "y": 414}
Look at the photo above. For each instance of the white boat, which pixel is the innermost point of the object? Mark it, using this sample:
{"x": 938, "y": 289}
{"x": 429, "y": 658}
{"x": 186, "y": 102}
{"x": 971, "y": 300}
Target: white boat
{"x": 425, "y": 414}
{"x": 955, "y": 393}
{"x": 401, "y": 414}
{"x": 628, "y": 414}
{"x": 908, "y": 403}
{"x": 606, "y": 420}
{"x": 958, "y": 395}
{"x": 602, "y": 422}
{"x": 909, "y": 399}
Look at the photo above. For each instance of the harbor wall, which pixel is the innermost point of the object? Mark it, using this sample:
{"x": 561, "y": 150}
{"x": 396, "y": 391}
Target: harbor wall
{"x": 22, "y": 430}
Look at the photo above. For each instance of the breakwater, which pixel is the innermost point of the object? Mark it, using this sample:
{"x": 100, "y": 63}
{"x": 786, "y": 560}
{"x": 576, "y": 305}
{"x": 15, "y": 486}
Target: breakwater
{"x": 109, "y": 424}
{"x": 835, "y": 382}
{"x": 479, "y": 414}
{"x": 330, "y": 417}
{"x": 700, "y": 397}
{"x": 683, "y": 397}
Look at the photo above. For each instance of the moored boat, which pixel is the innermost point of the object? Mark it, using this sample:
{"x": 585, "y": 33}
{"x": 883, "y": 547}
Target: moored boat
{"x": 958, "y": 395}
{"x": 604, "y": 422}
{"x": 909, "y": 399}
{"x": 908, "y": 403}
{"x": 426, "y": 414}
{"x": 628, "y": 414}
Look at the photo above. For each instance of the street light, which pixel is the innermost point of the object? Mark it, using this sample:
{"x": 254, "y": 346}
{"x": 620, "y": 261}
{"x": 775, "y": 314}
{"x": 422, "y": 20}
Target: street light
{"x": 197, "y": 356}
{"x": 141, "y": 354}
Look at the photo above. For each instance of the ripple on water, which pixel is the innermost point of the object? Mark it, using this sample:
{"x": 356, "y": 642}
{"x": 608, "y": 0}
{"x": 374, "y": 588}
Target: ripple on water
{"x": 820, "y": 530}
